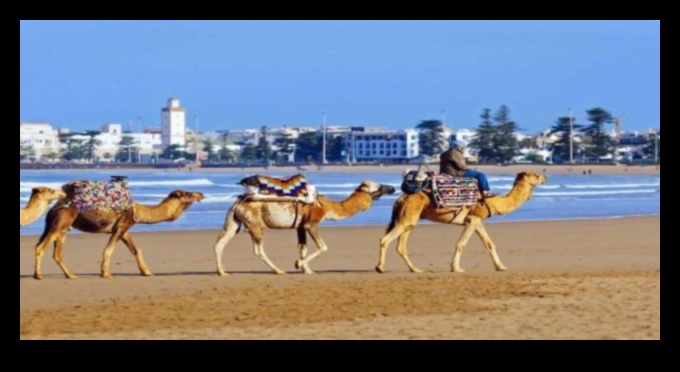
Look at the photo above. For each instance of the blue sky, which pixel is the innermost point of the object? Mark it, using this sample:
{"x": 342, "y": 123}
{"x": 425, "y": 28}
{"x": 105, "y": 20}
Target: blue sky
{"x": 246, "y": 74}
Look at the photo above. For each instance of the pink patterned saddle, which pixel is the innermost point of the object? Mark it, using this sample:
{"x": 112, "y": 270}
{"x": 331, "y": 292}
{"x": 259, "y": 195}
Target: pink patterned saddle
{"x": 87, "y": 195}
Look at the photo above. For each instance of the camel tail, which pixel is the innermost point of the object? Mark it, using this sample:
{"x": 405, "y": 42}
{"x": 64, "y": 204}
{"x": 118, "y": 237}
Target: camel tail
{"x": 396, "y": 212}
{"x": 232, "y": 219}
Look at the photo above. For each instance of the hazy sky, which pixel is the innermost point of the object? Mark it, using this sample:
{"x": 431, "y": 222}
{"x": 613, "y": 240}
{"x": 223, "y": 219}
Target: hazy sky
{"x": 241, "y": 74}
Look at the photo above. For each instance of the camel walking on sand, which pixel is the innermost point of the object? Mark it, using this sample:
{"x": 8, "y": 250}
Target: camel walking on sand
{"x": 257, "y": 216}
{"x": 40, "y": 199}
{"x": 65, "y": 215}
{"x": 409, "y": 209}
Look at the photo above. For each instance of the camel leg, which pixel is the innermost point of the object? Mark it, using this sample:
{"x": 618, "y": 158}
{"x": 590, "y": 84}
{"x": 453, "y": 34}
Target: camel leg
{"x": 56, "y": 225}
{"x": 321, "y": 247}
{"x": 230, "y": 230}
{"x": 470, "y": 228}
{"x": 302, "y": 245}
{"x": 257, "y": 235}
{"x": 491, "y": 247}
{"x": 45, "y": 240}
{"x": 58, "y": 249}
{"x": 399, "y": 227}
{"x": 143, "y": 268}
{"x": 108, "y": 252}
{"x": 403, "y": 251}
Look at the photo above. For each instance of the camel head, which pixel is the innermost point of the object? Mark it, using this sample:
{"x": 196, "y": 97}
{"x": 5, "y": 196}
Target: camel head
{"x": 530, "y": 178}
{"x": 186, "y": 197}
{"x": 374, "y": 189}
{"x": 48, "y": 194}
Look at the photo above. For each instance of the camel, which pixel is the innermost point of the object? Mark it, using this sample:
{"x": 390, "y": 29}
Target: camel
{"x": 257, "y": 216}
{"x": 409, "y": 209}
{"x": 40, "y": 199}
{"x": 64, "y": 215}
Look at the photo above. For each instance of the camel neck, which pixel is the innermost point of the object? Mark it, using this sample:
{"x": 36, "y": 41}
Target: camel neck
{"x": 168, "y": 210}
{"x": 520, "y": 193}
{"x": 359, "y": 201}
{"x": 36, "y": 203}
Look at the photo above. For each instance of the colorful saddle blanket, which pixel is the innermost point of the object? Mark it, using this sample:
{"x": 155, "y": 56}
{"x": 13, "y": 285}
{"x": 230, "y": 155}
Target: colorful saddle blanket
{"x": 87, "y": 195}
{"x": 449, "y": 191}
{"x": 295, "y": 188}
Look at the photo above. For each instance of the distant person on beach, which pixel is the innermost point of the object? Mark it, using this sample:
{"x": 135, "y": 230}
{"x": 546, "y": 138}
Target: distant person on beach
{"x": 452, "y": 162}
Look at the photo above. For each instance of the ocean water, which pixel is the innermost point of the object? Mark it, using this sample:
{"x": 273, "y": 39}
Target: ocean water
{"x": 564, "y": 197}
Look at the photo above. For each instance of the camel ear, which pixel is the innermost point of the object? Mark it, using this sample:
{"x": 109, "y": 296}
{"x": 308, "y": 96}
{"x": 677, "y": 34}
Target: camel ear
{"x": 363, "y": 187}
{"x": 178, "y": 194}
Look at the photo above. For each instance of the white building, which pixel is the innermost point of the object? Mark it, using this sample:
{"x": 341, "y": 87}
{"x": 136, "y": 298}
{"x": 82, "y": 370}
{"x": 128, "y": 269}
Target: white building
{"x": 145, "y": 144}
{"x": 393, "y": 146}
{"x": 40, "y": 139}
{"x": 173, "y": 124}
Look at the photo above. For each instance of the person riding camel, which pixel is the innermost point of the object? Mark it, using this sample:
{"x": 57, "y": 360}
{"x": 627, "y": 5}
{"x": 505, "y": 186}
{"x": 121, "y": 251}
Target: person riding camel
{"x": 452, "y": 162}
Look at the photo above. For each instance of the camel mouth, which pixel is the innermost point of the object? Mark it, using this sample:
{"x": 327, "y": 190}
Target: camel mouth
{"x": 383, "y": 190}
{"x": 389, "y": 190}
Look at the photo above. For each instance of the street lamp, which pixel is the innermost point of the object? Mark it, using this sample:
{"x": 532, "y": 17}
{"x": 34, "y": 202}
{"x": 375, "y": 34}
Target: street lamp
{"x": 139, "y": 141}
{"x": 571, "y": 138}
{"x": 323, "y": 137}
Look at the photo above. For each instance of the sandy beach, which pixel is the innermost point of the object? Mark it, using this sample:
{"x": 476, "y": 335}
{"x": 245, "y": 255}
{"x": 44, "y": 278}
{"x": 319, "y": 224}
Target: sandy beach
{"x": 585, "y": 279}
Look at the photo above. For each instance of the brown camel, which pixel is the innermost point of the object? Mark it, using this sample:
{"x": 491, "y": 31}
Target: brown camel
{"x": 257, "y": 216}
{"x": 63, "y": 216}
{"x": 41, "y": 197}
{"x": 409, "y": 209}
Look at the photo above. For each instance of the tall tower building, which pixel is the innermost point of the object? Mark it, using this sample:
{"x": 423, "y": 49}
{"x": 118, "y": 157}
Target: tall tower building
{"x": 173, "y": 124}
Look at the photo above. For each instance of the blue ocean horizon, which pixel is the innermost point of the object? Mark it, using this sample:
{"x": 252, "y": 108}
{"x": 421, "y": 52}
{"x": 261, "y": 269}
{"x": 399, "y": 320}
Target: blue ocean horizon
{"x": 564, "y": 197}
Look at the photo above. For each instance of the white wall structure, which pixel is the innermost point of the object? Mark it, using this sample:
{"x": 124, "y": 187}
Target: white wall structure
{"x": 388, "y": 146}
{"x": 173, "y": 124}
{"x": 39, "y": 138}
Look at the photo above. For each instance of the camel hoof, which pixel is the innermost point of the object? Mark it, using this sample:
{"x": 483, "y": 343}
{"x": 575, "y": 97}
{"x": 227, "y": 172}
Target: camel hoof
{"x": 72, "y": 277}
{"x": 297, "y": 265}
{"x": 147, "y": 274}
{"x": 280, "y": 272}
{"x": 458, "y": 270}
{"x": 379, "y": 270}
{"x": 107, "y": 276}
{"x": 416, "y": 271}
{"x": 222, "y": 273}
{"x": 38, "y": 277}
{"x": 502, "y": 268}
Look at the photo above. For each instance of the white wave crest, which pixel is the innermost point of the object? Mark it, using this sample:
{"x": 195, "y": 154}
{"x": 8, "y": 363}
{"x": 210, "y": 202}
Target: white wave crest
{"x": 197, "y": 182}
{"x": 584, "y": 193}
{"x": 613, "y": 186}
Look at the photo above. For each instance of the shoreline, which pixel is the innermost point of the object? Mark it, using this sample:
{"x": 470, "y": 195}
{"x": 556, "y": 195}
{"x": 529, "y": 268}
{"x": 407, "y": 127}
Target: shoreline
{"x": 400, "y": 168}
{"x": 421, "y": 222}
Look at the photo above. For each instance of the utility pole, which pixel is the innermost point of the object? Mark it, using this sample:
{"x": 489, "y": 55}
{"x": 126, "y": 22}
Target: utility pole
{"x": 323, "y": 137}
{"x": 129, "y": 145}
{"x": 571, "y": 138}
{"x": 196, "y": 140}
{"x": 139, "y": 143}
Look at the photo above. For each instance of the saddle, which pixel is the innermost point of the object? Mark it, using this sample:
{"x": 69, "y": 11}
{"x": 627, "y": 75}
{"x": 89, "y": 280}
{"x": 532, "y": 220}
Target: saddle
{"x": 88, "y": 195}
{"x": 264, "y": 188}
{"x": 446, "y": 191}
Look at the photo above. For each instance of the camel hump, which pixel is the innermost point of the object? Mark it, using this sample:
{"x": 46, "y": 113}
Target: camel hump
{"x": 451, "y": 191}
{"x": 88, "y": 195}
